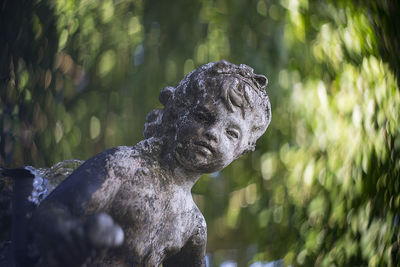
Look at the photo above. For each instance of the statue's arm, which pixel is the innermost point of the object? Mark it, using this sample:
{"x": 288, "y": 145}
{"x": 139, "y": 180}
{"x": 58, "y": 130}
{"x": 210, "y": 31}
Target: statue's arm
{"x": 193, "y": 254}
{"x": 68, "y": 225}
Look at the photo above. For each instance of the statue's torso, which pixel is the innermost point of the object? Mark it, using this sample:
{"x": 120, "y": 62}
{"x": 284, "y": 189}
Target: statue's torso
{"x": 158, "y": 216}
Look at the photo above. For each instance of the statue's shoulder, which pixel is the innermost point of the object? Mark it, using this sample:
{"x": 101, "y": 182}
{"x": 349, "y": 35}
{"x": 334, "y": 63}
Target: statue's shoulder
{"x": 120, "y": 153}
{"x": 200, "y": 221}
{"x": 199, "y": 230}
{"x": 145, "y": 151}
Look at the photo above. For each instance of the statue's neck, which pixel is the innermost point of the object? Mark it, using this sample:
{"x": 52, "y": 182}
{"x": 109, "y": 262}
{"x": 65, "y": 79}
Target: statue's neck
{"x": 185, "y": 178}
{"x": 174, "y": 169}
{"x": 163, "y": 153}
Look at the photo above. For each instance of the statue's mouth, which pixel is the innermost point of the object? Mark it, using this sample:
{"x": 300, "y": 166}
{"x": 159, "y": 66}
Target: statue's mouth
{"x": 204, "y": 148}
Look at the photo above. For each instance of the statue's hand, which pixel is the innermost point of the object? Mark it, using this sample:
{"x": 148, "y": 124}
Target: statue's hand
{"x": 103, "y": 232}
{"x": 76, "y": 242}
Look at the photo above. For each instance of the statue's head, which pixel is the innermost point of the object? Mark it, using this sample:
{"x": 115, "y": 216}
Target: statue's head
{"x": 213, "y": 116}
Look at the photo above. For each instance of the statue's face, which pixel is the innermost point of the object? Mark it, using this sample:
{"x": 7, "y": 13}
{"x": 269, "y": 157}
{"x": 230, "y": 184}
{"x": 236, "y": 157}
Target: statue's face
{"x": 209, "y": 137}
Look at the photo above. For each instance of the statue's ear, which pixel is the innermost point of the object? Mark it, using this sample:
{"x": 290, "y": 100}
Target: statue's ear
{"x": 166, "y": 94}
{"x": 250, "y": 148}
{"x": 261, "y": 80}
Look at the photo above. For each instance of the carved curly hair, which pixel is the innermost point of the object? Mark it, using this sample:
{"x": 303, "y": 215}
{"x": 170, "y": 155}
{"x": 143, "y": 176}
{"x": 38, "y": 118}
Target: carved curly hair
{"x": 236, "y": 85}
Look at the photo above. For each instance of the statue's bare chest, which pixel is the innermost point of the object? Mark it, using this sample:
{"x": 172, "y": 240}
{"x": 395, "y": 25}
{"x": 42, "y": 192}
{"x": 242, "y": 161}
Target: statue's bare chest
{"x": 157, "y": 220}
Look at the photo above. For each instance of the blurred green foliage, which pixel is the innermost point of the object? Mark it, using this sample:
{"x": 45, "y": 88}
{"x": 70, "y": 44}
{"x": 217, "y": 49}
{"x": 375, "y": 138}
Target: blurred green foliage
{"x": 322, "y": 188}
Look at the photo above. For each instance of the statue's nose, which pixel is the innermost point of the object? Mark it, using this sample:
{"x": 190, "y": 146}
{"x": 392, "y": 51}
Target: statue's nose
{"x": 211, "y": 134}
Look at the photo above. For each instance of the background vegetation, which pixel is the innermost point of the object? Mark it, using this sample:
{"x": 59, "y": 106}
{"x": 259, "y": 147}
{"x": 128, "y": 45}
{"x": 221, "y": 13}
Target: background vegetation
{"x": 322, "y": 188}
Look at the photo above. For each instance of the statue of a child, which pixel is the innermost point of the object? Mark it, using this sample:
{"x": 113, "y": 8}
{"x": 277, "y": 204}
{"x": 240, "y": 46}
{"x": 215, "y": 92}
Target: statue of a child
{"x": 132, "y": 206}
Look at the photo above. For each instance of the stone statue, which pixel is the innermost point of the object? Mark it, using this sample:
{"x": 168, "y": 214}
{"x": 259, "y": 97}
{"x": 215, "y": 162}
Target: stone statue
{"x": 132, "y": 206}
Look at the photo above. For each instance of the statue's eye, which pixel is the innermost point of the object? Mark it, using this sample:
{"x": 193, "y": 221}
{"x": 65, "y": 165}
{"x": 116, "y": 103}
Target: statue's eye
{"x": 232, "y": 133}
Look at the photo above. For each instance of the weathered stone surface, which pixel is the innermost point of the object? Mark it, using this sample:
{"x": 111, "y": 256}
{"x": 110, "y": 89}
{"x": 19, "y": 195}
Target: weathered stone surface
{"x": 132, "y": 206}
